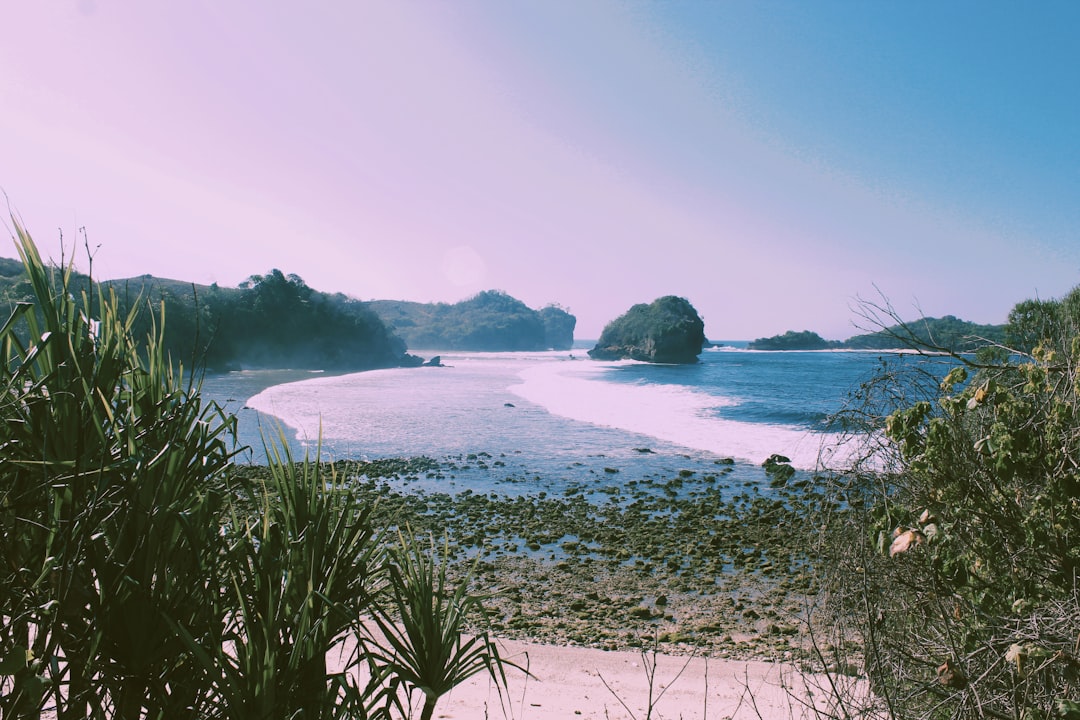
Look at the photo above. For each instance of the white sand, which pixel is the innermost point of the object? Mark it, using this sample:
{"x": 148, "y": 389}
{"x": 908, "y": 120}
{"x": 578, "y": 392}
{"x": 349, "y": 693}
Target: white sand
{"x": 568, "y": 683}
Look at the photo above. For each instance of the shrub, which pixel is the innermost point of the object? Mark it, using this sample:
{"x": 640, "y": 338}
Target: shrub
{"x": 956, "y": 563}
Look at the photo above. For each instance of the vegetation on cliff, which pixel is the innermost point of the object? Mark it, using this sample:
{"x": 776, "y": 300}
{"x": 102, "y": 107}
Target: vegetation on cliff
{"x": 668, "y": 330}
{"x": 946, "y": 333}
{"x": 791, "y": 340}
{"x": 272, "y": 320}
{"x": 490, "y": 320}
{"x": 559, "y": 327}
{"x": 277, "y": 320}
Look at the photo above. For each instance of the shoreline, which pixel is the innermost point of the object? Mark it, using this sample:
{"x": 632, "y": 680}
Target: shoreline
{"x": 591, "y": 684}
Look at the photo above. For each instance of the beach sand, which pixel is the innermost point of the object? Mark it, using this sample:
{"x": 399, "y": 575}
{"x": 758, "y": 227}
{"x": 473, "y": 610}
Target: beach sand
{"x": 569, "y": 682}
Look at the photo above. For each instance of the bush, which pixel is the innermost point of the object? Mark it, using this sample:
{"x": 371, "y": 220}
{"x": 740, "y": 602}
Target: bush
{"x": 956, "y": 564}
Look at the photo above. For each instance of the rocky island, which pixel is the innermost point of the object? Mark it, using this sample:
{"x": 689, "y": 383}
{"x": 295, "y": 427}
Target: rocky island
{"x": 668, "y": 330}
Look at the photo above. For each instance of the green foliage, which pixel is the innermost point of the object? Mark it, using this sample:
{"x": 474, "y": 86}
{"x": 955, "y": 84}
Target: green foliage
{"x": 1044, "y": 322}
{"x": 558, "y": 327}
{"x": 139, "y": 576}
{"x": 791, "y": 340}
{"x": 299, "y": 573}
{"x": 490, "y": 320}
{"x": 272, "y": 320}
{"x": 962, "y": 563}
{"x": 946, "y": 333}
{"x": 668, "y": 329}
{"x": 419, "y": 639}
{"x": 106, "y": 516}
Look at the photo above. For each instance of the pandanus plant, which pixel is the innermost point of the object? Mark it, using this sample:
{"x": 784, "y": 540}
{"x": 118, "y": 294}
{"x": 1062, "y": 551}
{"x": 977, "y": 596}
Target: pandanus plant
{"x": 141, "y": 578}
{"x": 300, "y": 572}
{"x": 420, "y": 628}
{"x": 108, "y": 509}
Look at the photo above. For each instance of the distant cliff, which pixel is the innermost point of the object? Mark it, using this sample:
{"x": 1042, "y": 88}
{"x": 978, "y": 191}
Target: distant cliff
{"x": 491, "y": 320}
{"x": 669, "y": 330}
{"x": 947, "y": 333}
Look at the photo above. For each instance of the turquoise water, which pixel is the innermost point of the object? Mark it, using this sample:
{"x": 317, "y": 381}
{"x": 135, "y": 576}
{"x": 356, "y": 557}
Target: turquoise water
{"x": 544, "y": 421}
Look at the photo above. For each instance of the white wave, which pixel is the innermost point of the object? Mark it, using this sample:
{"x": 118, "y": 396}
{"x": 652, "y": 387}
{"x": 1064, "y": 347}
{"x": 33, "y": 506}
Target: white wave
{"x": 674, "y": 414}
{"x": 393, "y": 408}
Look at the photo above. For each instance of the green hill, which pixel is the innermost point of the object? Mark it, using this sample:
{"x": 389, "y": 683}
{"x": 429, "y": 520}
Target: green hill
{"x": 277, "y": 320}
{"x": 272, "y": 320}
{"x": 490, "y": 320}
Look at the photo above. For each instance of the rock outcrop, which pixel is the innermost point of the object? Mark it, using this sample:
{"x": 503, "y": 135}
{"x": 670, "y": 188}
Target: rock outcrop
{"x": 668, "y": 330}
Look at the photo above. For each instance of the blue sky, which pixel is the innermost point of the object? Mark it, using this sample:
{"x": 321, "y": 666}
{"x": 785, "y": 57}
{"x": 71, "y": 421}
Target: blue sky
{"x": 773, "y": 162}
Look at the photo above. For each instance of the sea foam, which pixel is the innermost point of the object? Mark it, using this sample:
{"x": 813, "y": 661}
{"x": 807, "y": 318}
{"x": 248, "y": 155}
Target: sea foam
{"x": 672, "y": 413}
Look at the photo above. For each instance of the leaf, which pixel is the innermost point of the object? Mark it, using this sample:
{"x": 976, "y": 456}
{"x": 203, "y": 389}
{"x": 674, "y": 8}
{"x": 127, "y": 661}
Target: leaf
{"x": 1016, "y": 655}
{"x": 905, "y": 541}
{"x": 1068, "y": 709}
{"x": 951, "y": 676}
{"x": 14, "y": 661}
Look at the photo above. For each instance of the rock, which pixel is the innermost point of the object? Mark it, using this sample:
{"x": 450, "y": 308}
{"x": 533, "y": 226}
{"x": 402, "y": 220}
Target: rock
{"x": 435, "y": 362}
{"x": 668, "y": 330}
{"x": 558, "y": 327}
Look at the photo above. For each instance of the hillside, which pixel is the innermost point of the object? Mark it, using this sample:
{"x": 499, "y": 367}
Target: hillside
{"x": 277, "y": 320}
{"x": 272, "y": 320}
{"x": 490, "y": 320}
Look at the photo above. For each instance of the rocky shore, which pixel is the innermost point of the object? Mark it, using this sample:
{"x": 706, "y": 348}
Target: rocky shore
{"x": 686, "y": 564}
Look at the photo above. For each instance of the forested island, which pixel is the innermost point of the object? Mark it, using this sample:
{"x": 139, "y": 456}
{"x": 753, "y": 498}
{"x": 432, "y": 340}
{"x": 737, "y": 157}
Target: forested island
{"x": 490, "y": 320}
{"x": 946, "y": 333}
{"x": 667, "y": 330}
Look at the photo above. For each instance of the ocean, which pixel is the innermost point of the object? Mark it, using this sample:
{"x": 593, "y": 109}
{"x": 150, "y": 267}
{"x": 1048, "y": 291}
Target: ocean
{"x": 526, "y": 422}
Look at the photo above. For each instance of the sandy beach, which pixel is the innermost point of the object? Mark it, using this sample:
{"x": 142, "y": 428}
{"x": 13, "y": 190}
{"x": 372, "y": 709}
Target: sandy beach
{"x": 569, "y": 682}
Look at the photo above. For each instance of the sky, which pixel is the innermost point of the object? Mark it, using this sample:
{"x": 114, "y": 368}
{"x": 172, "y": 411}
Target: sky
{"x": 775, "y": 163}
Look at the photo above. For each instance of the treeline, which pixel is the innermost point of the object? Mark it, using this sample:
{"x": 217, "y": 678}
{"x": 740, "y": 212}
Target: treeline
{"x": 277, "y": 320}
{"x": 272, "y": 320}
{"x": 490, "y": 320}
{"x": 946, "y": 333}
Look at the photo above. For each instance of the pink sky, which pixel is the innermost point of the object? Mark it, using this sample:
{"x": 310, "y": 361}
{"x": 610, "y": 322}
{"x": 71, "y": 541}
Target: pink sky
{"x": 593, "y": 154}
